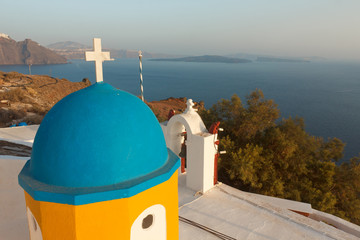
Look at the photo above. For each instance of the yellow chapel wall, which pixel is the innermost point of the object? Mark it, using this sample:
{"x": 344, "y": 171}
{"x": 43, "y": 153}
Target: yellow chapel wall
{"x": 105, "y": 220}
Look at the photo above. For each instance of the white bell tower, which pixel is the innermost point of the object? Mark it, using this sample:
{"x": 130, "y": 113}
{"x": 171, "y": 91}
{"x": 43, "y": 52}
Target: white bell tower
{"x": 200, "y": 147}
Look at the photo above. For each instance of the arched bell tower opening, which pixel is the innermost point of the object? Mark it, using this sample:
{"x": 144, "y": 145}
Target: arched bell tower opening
{"x": 178, "y": 143}
{"x": 200, "y": 150}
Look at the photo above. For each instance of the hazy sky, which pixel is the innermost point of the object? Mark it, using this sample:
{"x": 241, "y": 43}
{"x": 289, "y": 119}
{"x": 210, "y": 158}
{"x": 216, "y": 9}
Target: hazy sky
{"x": 327, "y": 28}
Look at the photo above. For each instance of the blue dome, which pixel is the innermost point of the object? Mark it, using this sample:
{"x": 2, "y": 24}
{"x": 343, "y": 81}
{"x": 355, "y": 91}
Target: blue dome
{"x": 97, "y": 136}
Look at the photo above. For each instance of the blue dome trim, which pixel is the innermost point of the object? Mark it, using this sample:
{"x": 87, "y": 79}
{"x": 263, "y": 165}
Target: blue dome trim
{"x": 84, "y": 195}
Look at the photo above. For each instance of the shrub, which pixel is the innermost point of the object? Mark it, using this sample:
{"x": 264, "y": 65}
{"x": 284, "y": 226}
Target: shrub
{"x": 37, "y": 109}
{"x": 14, "y": 95}
{"x": 7, "y": 116}
{"x": 34, "y": 119}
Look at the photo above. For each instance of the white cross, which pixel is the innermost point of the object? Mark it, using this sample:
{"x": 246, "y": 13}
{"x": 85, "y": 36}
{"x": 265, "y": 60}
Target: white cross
{"x": 190, "y": 104}
{"x": 99, "y": 57}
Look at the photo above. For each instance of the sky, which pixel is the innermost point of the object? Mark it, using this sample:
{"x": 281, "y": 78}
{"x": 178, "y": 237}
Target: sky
{"x": 290, "y": 28}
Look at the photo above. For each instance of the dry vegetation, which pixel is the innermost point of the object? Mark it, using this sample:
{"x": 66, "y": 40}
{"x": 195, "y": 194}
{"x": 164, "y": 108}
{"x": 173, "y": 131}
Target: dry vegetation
{"x": 161, "y": 108}
{"x": 27, "y": 98}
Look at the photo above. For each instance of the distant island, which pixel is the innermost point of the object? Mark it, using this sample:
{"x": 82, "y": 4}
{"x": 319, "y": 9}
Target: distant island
{"x": 274, "y": 59}
{"x": 205, "y": 58}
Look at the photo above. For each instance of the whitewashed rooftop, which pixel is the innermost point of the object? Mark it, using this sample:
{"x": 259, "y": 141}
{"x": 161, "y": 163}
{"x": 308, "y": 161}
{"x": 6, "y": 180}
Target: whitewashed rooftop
{"x": 22, "y": 135}
{"x": 241, "y": 215}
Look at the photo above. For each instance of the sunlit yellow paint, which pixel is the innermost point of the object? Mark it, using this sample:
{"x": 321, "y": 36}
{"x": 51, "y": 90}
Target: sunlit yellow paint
{"x": 107, "y": 220}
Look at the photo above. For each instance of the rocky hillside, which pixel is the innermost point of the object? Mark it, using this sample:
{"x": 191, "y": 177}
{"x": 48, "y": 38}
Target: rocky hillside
{"x": 161, "y": 108}
{"x": 26, "y": 52}
{"x": 27, "y": 98}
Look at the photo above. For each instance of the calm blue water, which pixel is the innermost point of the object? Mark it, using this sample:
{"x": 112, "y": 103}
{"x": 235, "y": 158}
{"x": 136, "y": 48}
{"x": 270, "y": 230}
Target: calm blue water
{"x": 326, "y": 94}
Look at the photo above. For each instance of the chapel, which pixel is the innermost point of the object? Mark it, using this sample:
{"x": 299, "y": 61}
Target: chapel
{"x": 100, "y": 169}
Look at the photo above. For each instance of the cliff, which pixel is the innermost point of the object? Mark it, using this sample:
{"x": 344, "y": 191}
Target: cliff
{"x": 26, "y": 52}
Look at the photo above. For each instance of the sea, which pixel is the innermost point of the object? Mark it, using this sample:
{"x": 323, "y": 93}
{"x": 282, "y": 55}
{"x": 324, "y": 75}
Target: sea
{"x": 326, "y": 94}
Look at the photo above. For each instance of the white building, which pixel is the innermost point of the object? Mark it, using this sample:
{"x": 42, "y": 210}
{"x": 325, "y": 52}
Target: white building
{"x": 3, "y": 35}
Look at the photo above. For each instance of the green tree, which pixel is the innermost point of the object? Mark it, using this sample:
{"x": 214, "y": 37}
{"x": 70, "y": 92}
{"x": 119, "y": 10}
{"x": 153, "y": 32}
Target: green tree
{"x": 241, "y": 123}
{"x": 347, "y": 190}
{"x": 279, "y": 158}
